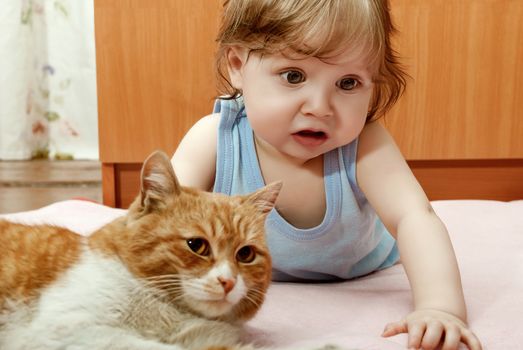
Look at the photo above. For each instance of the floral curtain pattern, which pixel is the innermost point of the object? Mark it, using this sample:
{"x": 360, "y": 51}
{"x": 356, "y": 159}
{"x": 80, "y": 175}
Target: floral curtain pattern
{"x": 48, "y": 80}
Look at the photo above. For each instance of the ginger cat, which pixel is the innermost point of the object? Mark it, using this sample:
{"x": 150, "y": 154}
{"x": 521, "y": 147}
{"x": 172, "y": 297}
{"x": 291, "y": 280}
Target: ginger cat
{"x": 179, "y": 271}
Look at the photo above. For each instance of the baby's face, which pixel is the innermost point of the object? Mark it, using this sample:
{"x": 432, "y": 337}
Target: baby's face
{"x": 304, "y": 107}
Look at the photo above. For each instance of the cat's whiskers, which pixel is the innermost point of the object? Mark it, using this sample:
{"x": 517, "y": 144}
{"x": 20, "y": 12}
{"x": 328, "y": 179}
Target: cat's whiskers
{"x": 255, "y": 296}
{"x": 256, "y": 290}
{"x": 162, "y": 277}
{"x": 129, "y": 305}
{"x": 159, "y": 281}
{"x": 168, "y": 285}
{"x": 176, "y": 298}
{"x": 205, "y": 287}
{"x": 166, "y": 291}
{"x": 144, "y": 297}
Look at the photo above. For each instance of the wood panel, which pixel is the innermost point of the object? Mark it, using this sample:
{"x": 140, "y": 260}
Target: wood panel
{"x": 459, "y": 124}
{"x": 124, "y": 185}
{"x": 109, "y": 185}
{"x": 154, "y": 73}
{"x": 494, "y": 179}
{"x": 498, "y": 179}
{"x": 155, "y": 76}
{"x": 465, "y": 100}
{"x": 127, "y": 183}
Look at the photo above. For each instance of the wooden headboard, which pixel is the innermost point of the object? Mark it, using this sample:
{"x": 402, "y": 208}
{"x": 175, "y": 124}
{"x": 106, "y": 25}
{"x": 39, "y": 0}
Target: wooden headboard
{"x": 459, "y": 124}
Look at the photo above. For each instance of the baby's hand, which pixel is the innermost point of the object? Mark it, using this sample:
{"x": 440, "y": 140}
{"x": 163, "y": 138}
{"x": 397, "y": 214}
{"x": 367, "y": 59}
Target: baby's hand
{"x": 429, "y": 328}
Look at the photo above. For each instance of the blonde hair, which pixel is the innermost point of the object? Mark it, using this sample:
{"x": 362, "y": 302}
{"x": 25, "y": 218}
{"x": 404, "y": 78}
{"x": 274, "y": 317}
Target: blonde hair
{"x": 270, "y": 26}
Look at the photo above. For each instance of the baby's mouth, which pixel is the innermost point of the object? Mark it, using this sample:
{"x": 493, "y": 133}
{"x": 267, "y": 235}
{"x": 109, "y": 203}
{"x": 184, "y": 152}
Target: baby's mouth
{"x": 312, "y": 133}
{"x": 310, "y": 137}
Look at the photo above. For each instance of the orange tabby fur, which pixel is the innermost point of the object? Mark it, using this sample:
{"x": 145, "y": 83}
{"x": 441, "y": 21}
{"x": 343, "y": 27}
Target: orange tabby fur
{"x": 151, "y": 242}
{"x": 32, "y": 257}
{"x": 232, "y": 224}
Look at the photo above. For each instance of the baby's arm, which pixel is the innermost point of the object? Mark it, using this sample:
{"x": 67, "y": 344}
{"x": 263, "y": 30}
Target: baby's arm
{"x": 194, "y": 161}
{"x": 425, "y": 248}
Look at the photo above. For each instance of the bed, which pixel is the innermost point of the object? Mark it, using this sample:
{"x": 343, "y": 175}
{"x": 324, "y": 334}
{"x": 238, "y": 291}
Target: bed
{"x": 487, "y": 237}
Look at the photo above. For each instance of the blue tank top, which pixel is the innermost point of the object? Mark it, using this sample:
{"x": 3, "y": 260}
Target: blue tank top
{"x": 351, "y": 241}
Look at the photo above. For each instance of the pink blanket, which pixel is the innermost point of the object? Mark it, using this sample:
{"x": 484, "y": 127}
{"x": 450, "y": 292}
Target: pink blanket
{"x": 488, "y": 239}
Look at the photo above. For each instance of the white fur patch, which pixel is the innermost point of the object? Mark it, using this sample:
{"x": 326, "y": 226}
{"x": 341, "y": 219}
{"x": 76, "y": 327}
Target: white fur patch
{"x": 206, "y": 294}
{"x": 79, "y": 311}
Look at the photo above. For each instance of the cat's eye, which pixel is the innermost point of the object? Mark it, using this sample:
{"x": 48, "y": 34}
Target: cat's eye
{"x": 293, "y": 76}
{"x": 199, "y": 245}
{"x": 246, "y": 254}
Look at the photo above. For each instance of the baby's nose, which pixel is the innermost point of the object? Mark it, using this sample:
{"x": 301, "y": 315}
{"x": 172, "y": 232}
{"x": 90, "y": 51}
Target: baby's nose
{"x": 318, "y": 104}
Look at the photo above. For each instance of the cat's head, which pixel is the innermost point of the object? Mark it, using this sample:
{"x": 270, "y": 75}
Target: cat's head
{"x": 207, "y": 251}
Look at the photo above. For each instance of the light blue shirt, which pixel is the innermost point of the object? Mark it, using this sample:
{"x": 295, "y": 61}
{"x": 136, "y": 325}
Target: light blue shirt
{"x": 351, "y": 241}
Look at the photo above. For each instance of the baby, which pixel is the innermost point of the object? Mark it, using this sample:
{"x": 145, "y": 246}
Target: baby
{"x": 303, "y": 84}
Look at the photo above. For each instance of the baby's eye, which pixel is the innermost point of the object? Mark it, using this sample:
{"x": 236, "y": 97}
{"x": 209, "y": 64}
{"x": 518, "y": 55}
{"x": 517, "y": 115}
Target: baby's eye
{"x": 246, "y": 254}
{"x": 293, "y": 76}
{"x": 200, "y": 246}
{"x": 347, "y": 84}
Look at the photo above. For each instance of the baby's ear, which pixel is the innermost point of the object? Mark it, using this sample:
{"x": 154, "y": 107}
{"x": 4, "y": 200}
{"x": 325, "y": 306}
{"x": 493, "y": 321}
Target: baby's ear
{"x": 265, "y": 198}
{"x": 158, "y": 180}
{"x": 236, "y": 58}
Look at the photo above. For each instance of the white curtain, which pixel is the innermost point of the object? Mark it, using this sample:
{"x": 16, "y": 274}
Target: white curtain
{"x": 47, "y": 79}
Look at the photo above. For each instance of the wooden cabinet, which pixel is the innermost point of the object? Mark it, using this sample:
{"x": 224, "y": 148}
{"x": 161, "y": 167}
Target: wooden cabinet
{"x": 465, "y": 99}
{"x": 155, "y": 79}
{"x": 459, "y": 123}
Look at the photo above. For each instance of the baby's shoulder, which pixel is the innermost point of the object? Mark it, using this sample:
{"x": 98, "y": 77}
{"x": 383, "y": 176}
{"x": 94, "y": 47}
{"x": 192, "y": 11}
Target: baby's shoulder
{"x": 373, "y": 138}
{"x": 195, "y": 158}
{"x": 202, "y": 133}
{"x": 207, "y": 124}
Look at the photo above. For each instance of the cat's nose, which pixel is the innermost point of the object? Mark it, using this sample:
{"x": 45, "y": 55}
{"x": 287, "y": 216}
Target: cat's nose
{"x": 227, "y": 283}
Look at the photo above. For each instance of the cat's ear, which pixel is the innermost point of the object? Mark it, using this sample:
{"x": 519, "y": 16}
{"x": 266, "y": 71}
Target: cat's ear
{"x": 158, "y": 180}
{"x": 265, "y": 198}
